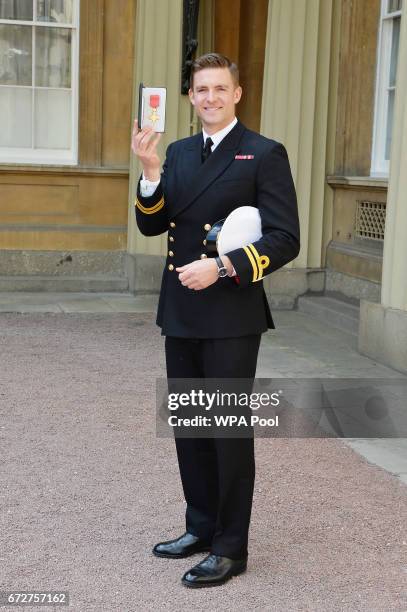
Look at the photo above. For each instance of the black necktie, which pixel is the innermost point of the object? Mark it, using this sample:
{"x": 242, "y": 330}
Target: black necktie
{"x": 206, "y": 151}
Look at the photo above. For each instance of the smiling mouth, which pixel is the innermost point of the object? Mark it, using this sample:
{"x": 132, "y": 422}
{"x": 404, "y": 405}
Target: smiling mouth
{"x": 212, "y": 108}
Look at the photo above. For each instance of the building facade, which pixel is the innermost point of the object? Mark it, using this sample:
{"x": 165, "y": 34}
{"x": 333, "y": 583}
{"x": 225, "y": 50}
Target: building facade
{"x": 65, "y": 115}
{"x": 325, "y": 77}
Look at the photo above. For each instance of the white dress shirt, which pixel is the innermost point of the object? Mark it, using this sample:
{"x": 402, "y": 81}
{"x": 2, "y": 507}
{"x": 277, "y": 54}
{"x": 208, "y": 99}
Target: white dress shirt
{"x": 218, "y": 136}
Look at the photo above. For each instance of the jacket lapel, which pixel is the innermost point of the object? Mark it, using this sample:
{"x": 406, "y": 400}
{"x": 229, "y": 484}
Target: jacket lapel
{"x": 197, "y": 176}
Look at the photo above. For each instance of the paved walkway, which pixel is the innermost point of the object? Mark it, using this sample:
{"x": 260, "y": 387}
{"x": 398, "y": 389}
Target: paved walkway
{"x": 88, "y": 488}
{"x": 300, "y": 346}
{"x": 75, "y": 302}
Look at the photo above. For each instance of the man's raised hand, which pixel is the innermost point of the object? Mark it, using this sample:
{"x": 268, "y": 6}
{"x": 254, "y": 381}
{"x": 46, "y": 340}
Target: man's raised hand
{"x": 144, "y": 145}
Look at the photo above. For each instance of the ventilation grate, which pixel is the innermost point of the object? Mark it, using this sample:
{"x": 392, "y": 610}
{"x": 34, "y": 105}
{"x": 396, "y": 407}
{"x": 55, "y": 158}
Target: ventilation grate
{"x": 370, "y": 220}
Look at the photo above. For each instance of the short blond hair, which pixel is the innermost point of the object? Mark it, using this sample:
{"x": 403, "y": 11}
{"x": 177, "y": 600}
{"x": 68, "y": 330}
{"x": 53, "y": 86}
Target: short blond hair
{"x": 214, "y": 60}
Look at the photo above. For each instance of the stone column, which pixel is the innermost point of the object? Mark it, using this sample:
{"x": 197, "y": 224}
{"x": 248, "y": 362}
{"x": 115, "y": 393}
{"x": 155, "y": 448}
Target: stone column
{"x": 383, "y": 327}
{"x": 295, "y": 112}
{"x": 158, "y": 39}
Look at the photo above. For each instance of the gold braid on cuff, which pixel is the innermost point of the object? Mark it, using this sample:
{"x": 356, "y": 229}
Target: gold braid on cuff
{"x": 258, "y": 262}
{"x": 152, "y": 209}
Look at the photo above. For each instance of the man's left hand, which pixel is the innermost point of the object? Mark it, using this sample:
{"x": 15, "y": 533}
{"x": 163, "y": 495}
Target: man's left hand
{"x": 198, "y": 274}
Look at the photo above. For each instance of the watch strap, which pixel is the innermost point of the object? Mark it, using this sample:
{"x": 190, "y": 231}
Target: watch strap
{"x": 221, "y": 266}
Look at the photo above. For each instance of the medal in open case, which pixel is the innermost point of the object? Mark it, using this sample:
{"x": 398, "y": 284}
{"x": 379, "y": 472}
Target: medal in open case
{"x": 151, "y": 107}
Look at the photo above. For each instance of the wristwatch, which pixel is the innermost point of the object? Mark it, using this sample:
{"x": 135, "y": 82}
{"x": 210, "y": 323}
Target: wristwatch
{"x": 222, "y": 271}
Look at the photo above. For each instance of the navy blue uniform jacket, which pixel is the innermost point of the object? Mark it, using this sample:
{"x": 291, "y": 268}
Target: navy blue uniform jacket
{"x": 190, "y": 198}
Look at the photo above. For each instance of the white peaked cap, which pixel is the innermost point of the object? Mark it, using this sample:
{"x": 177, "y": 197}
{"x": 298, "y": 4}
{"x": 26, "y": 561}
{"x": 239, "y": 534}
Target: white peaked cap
{"x": 240, "y": 228}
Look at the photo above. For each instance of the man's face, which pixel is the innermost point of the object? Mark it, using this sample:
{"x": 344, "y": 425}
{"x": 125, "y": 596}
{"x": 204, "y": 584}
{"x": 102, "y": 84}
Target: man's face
{"x": 214, "y": 96}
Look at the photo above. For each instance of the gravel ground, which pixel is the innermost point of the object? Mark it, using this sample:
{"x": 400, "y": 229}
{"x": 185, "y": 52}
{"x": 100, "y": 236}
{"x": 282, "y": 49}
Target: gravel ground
{"x": 88, "y": 489}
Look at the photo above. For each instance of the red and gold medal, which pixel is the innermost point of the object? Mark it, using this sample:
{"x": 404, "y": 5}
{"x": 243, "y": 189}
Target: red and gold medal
{"x": 154, "y": 104}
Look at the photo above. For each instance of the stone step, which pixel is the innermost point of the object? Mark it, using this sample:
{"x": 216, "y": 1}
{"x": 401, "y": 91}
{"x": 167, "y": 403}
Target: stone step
{"x": 281, "y": 301}
{"x": 332, "y": 311}
{"x": 62, "y": 263}
{"x": 63, "y": 284}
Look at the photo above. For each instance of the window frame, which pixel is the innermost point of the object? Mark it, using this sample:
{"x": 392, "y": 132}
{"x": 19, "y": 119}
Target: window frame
{"x": 41, "y": 156}
{"x": 379, "y": 165}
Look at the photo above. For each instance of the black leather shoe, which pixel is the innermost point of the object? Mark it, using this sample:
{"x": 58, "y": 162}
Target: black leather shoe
{"x": 213, "y": 571}
{"x": 184, "y": 546}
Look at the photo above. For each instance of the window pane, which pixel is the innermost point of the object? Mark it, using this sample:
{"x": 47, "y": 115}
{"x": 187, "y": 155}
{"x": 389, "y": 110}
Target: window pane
{"x": 395, "y": 37}
{"x": 52, "y": 119}
{"x": 394, "y": 5}
{"x": 53, "y": 57}
{"x": 15, "y": 117}
{"x": 16, "y": 9}
{"x": 15, "y": 55}
{"x": 59, "y": 11}
{"x": 389, "y": 125}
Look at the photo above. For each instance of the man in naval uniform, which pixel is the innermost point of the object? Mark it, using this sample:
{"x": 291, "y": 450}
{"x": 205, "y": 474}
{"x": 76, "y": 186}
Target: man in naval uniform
{"x": 214, "y": 310}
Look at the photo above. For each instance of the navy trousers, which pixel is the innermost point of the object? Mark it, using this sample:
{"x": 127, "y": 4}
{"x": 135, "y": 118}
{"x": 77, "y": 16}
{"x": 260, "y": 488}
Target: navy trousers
{"x": 217, "y": 474}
